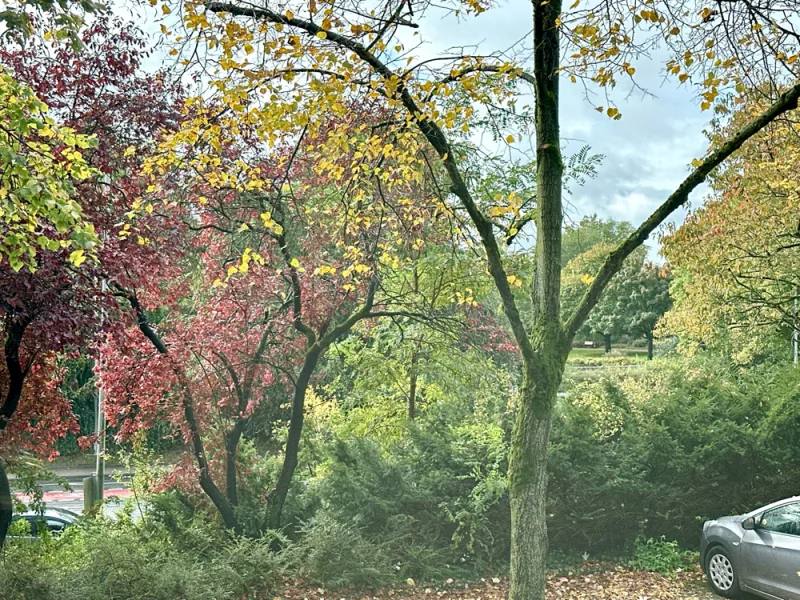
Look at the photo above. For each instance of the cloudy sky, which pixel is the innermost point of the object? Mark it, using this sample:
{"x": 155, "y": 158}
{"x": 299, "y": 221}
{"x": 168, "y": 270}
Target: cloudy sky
{"x": 647, "y": 152}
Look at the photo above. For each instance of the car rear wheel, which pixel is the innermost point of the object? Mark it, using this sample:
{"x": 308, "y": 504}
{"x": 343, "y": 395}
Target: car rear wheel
{"x": 721, "y": 573}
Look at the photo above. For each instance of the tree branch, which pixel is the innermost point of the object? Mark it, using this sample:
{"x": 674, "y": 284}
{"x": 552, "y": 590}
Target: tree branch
{"x": 433, "y": 134}
{"x": 786, "y": 102}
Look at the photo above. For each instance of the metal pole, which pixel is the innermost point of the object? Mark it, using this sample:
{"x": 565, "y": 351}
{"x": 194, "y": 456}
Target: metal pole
{"x": 100, "y": 431}
{"x": 100, "y": 413}
{"x": 795, "y": 332}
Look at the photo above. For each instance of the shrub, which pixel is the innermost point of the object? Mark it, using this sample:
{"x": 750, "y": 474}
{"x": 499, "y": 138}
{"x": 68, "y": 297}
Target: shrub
{"x": 335, "y": 554}
{"x": 661, "y": 448}
{"x": 659, "y": 556}
{"x": 118, "y": 560}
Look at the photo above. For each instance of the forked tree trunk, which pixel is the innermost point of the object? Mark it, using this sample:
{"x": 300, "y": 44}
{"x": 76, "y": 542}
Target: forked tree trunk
{"x": 544, "y": 366}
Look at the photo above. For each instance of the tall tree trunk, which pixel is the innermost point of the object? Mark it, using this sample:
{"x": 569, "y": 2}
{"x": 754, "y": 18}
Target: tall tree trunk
{"x": 545, "y": 367}
{"x": 528, "y": 478}
{"x": 277, "y": 497}
{"x": 607, "y": 342}
{"x": 650, "y": 345}
{"x": 528, "y": 472}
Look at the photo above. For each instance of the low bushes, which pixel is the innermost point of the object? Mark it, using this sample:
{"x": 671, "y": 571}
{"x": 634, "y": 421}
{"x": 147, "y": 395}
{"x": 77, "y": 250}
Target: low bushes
{"x": 639, "y": 457}
{"x": 657, "y": 450}
{"x": 635, "y": 453}
{"x": 105, "y": 560}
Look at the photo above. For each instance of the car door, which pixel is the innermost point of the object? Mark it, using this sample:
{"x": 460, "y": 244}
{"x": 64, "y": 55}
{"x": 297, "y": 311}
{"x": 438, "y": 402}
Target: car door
{"x": 770, "y": 553}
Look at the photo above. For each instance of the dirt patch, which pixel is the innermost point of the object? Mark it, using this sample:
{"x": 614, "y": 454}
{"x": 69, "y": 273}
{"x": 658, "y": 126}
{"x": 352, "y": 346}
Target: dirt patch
{"x": 605, "y": 584}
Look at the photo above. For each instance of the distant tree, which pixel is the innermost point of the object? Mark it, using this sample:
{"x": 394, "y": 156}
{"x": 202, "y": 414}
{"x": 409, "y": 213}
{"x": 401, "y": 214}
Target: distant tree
{"x": 590, "y": 231}
{"x": 634, "y": 300}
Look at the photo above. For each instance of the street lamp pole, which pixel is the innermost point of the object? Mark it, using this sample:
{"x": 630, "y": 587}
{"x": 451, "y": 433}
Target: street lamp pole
{"x": 100, "y": 430}
{"x": 795, "y": 332}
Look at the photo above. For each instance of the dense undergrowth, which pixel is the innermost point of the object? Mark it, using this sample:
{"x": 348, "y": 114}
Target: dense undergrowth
{"x": 639, "y": 458}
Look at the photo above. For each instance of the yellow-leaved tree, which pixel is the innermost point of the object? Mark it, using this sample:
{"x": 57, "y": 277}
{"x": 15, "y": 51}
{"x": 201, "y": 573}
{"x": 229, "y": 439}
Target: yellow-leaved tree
{"x": 39, "y": 160}
{"x": 287, "y": 68}
{"x": 737, "y": 256}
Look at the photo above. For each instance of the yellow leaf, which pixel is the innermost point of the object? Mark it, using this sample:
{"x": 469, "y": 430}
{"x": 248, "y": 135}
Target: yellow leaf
{"x": 289, "y": 14}
{"x": 77, "y": 257}
{"x": 510, "y": 139}
{"x": 165, "y": 9}
{"x": 322, "y": 35}
{"x": 294, "y": 263}
{"x": 612, "y": 112}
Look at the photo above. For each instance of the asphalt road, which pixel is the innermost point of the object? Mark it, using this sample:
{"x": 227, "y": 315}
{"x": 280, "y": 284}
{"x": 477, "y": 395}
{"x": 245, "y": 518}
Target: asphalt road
{"x": 56, "y": 496}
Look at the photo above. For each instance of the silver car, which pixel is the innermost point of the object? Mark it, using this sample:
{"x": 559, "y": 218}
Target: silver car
{"x": 757, "y": 553}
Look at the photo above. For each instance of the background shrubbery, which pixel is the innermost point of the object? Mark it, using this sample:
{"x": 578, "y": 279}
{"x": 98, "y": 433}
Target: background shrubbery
{"x": 643, "y": 452}
{"x": 639, "y": 457}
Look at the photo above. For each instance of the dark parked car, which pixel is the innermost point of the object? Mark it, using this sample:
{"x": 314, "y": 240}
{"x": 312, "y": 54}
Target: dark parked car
{"x": 55, "y": 519}
{"x": 757, "y": 553}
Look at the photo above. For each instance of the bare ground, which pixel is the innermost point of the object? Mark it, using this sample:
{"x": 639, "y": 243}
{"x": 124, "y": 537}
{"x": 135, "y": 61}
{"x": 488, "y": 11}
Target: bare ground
{"x": 607, "y": 583}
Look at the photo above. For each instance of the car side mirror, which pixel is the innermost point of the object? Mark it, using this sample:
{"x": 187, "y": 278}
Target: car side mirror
{"x": 750, "y": 523}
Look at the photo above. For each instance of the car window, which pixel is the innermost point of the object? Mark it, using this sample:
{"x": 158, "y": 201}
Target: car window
{"x": 55, "y": 525}
{"x": 784, "y": 519}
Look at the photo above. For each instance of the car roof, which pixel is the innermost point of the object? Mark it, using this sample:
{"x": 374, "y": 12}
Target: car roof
{"x": 773, "y": 505}
{"x": 59, "y": 513}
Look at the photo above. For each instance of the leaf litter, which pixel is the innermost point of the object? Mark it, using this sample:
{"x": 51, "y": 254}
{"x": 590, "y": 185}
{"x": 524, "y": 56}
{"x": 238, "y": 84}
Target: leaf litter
{"x": 602, "y": 582}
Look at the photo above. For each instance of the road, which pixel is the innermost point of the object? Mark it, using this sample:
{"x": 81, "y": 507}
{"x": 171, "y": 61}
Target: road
{"x": 55, "y": 496}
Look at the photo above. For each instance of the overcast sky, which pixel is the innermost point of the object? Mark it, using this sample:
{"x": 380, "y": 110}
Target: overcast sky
{"x": 647, "y": 152}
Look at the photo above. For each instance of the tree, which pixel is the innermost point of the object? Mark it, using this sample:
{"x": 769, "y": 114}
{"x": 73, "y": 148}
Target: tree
{"x": 645, "y": 301}
{"x": 632, "y": 304}
{"x": 311, "y": 59}
{"x": 590, "y": 231}
{"x": 293, "y": 262}
{"x": 55, "y": 304}
{"x": 736, "y": 257}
